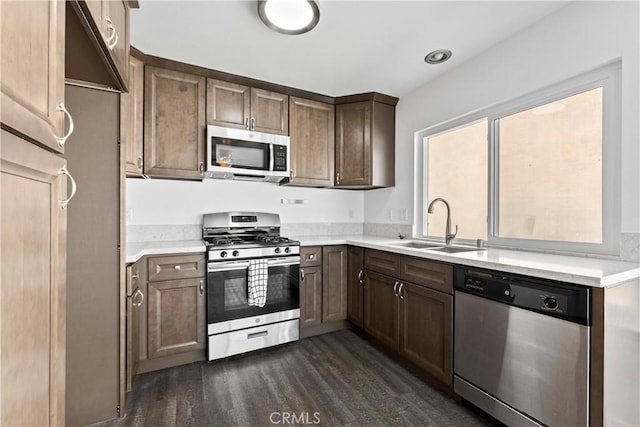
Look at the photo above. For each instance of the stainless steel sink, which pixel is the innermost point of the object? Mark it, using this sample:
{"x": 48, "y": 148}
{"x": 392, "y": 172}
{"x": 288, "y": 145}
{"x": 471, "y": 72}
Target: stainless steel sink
{"x": 454, "y": 249}
{"x": 417, "y": 244}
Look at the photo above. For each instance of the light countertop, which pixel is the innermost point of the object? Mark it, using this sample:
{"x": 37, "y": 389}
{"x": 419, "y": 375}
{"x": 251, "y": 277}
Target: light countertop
{"x": 593, "y": 272}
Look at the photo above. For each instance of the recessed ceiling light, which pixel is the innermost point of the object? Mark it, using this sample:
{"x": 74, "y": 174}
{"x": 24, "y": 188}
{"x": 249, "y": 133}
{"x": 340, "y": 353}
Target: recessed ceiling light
{"x": 437, "y": 56}
{"x": 289, "y": 16}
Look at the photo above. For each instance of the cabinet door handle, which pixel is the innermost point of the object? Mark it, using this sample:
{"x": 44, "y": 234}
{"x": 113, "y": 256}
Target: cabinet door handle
{"x": 135, "y": 276}
{"x": 176, "y": 267}
{"x": 253, "y": 123}
{"x": 400, "y": 291}
{"x": 140, "y": 162}
{"x": 360, "y": 276}
{"x": 201, "y": 287}
{"x": 246, "y": 122}
{"x": 302, "y": 275}
{"x": 65, "y": 203}
{"x": 138, "y": 292}
{"x": 112, "y": 40}
{"x": 63, "y": 139}
{"x": 201, "y": 168}
{"x": 395, "y": 288}
{"x": 258, "y": 334}
{"x": 337, "y": 178}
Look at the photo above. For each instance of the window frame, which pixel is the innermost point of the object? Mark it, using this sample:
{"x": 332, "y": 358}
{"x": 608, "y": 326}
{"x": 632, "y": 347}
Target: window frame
{"x": 608, "y": 77}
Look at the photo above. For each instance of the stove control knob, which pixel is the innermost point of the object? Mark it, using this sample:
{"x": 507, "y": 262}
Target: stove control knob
{"x": 235, "y": 253}
{"x": 277, "y": 250}
{"x": 223, "y": 254}
{"x": 287, "y": 250}
{"x": 551, "y": 303}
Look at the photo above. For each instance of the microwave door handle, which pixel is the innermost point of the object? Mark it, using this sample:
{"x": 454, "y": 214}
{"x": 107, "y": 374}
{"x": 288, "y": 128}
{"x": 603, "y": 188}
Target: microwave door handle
{"x": 227, "y": 266}
{"x": 283, "y": 262}
{"x": 270, "y": 157}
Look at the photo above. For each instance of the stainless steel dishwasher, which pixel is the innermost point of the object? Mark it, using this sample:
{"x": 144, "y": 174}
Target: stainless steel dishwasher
{"x": 521, "y": 347}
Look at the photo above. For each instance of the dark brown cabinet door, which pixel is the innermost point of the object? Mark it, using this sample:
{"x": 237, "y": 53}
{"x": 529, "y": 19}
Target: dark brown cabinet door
{"x": 131, "y": 118}
{"x": 310, "y": 296}
{"x": 381, "y": 308}
{"x": 33, "y": 70}
{"x": 426, "y": 329}
{"x": 269, "y": 112}
{"x": 176, "y": 317}
{"x": 334, "y": 283}
{"x": 312, "y": 131}
{"x": 353, "y": 144}
{"x": 228, "y": 104}
{"x": 174, "y": 123}
{"x": 355, "y": 285}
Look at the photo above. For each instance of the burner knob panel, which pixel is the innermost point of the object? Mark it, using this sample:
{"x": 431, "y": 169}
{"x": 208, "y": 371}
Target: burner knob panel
{"x": 276, "y": 250}
{"x": 287, "y": 250}
{"x": 223, "y": 254}
{"x": 235, "y": 253}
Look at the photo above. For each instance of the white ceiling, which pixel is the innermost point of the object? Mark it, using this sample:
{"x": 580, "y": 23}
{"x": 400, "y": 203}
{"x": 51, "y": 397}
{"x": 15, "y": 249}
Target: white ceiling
{"x": 358, "y": 46}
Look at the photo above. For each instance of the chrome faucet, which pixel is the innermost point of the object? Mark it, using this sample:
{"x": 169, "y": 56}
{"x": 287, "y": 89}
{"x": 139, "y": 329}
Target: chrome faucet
{"x": 447, "y": 232}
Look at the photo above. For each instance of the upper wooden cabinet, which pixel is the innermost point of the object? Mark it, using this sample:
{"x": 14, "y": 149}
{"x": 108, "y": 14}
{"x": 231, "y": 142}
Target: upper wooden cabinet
{"x": 365, "y": 143}
{"x": 32, "y": 63}
{"x": 108, "y": 22}
{"x": 174, "y": 123}
{"x": 131, "y": 119}
{"x": 238, "y": 106}
{"x": 312, "y": 131}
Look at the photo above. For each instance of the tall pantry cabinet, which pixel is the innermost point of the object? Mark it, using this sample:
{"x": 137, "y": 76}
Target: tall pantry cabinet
{"x": 33, "y": 215}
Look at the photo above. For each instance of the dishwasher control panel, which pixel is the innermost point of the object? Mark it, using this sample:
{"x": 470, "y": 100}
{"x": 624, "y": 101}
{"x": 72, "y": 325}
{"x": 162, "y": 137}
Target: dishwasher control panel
{"x": 558, "y": 299}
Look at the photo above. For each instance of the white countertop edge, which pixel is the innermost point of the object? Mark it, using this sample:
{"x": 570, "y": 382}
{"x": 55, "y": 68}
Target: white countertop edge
{"x": 592, "y": 272}
{"x": 136, "y": 250}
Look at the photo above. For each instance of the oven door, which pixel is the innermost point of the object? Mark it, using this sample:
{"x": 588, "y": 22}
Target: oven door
{"x": 227, "y": 289}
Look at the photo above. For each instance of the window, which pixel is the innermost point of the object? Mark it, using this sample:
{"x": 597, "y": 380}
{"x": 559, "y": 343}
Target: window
{"x": 538, "y": 172}
{"x": 457, "y": 172}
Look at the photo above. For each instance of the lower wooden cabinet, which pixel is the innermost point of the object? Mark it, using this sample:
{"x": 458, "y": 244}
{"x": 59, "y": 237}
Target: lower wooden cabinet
{"x": 426, "y": 329}
{"x": 310, "y": 296}
{"x": 323, "y": 285}
{"x": 411, "y": 319}
{"x": 176, "y": 317}
{"x": 355, "y": 286}
{"x": 381, "y": 308}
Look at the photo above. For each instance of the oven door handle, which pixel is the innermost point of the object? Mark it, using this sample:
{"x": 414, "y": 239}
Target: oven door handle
{"x": 280, "y": 262}
{"x": 212, "y": 267}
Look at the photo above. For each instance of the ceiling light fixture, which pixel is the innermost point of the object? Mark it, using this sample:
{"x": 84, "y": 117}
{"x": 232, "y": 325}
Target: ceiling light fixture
{"x": 437, "y": 56}
{"x": 289, "y": 16}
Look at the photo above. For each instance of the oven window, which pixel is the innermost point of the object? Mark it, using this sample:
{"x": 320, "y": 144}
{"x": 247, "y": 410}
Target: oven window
{"x": 227, "y": 293}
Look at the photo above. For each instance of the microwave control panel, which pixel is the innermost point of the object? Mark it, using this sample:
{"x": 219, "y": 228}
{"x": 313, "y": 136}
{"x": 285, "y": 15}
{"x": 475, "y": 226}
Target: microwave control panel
{"x": 279, "y": 158}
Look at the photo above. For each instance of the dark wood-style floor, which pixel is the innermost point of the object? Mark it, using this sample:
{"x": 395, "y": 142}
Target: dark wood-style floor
{"x": 329, "y": 380}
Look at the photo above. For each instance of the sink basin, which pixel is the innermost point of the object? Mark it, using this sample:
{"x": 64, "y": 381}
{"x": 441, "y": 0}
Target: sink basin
{"x": 454, "y": 249}
{"x": 416, "y": 244}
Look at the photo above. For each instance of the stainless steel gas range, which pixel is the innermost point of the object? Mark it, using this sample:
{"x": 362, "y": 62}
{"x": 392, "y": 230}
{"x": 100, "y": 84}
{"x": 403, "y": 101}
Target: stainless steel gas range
{"x": 252, "y": 283}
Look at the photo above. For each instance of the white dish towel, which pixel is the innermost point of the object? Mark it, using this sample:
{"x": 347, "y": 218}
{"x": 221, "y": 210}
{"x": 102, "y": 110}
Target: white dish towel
{"x": 257, "y": 282}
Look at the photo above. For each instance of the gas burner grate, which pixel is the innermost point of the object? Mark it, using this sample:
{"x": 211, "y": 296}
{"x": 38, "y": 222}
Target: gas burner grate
{"x": 272, "y": 239}
{"x": 225, "y": 240}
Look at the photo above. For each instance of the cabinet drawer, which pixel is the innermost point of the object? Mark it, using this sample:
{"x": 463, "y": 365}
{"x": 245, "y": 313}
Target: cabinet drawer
{"x": 435, "y": 275}
{"x": 176, "y": 267}
{"x": 310, "y": 256}
{"x": 383, "y": 262}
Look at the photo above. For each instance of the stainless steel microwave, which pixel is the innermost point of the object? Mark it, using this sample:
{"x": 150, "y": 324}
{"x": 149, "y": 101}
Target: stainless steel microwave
{"x": 245, "y": 154}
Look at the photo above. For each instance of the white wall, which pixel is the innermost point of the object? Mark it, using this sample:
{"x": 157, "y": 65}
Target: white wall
{"x": 577, "y": 38}
{"x": 159, "y": 201}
